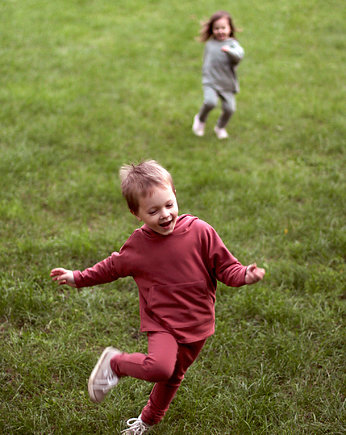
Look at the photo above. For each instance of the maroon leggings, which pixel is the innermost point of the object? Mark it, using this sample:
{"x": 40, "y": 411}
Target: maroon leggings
{"x": 165, "y": 364}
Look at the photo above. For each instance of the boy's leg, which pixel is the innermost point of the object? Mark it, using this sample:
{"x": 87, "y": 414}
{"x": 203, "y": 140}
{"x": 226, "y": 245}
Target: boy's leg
{"x": 158, "y": 365}
{"x": 228, "y": 108}
{"x": 163, "y": 392}
{"x": 102, "y": 378}
{"x": 210, "y": 101}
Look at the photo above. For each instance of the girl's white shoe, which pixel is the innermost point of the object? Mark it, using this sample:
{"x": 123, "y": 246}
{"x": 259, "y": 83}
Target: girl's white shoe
{"x": 136, "y": 426}
{"x": 221, "y": 133}
{"x": 198, "y": 126}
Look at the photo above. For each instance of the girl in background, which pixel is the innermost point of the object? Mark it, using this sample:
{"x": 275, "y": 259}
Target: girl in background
{"x": 221, "y": 57}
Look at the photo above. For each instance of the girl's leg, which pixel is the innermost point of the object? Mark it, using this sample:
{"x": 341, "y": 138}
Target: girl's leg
{"x": 228, "y": 108}
{"x": 210, "y": 101}
{"x": 158, "y": 365}
{"x": 164, "y": 392}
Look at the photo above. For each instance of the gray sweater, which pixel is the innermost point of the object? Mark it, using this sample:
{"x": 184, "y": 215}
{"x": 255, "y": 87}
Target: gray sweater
{"x": 219, "y": 67}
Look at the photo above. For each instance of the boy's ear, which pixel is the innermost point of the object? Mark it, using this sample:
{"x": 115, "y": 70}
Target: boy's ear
{"x": 134, "y": 214}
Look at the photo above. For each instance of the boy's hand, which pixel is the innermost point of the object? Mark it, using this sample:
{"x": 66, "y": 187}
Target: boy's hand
{"x": 254, "y": 274}
{"x": 63, "y": 276}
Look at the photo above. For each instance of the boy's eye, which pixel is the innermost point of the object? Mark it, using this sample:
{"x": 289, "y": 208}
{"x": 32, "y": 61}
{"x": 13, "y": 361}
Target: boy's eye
{"x": 152, "y": 212}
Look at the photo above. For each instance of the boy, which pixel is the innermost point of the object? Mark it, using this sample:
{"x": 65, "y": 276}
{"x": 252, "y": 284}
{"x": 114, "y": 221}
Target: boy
{"x": 176, "y": 262}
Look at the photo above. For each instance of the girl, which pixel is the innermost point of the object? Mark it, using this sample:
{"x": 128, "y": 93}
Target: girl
{"x": 221, "y": 57}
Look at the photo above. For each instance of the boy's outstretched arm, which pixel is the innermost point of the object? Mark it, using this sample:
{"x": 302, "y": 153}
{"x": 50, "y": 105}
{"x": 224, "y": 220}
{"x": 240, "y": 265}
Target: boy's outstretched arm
{"x": 254, "y": 274}
{"x": 63, "y": 276}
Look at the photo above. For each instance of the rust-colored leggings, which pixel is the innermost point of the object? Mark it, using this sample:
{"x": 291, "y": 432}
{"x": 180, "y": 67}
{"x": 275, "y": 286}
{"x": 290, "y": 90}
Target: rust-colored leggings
{"x": 165, "y": 364}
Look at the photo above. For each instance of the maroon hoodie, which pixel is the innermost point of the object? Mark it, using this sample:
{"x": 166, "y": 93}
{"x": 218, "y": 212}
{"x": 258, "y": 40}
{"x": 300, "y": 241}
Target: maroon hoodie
{"x": 176, "y": 276}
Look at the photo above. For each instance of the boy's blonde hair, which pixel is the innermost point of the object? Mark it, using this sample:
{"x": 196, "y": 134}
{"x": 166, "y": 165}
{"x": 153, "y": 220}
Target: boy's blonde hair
{"x": 138, "y": 180}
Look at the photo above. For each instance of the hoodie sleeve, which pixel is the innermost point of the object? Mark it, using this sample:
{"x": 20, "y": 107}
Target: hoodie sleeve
{"x": 101, "y": 273}
{"x": 223, "y": 265}
{"x": 117, "y": 265}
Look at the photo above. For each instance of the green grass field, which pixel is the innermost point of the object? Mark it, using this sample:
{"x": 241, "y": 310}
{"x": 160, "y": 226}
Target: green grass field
{"x": 87, "y": 85}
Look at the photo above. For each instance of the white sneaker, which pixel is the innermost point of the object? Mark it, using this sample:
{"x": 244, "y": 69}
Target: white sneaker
{"x": 102, "y": 378}
{"x": 198, "y": 126}
{"x": 221, "y": 133}
{"x": 136, "y": 426}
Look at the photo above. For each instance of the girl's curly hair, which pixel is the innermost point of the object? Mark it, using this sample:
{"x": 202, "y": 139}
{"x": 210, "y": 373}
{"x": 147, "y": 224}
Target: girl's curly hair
{"x": 207, "y": 26}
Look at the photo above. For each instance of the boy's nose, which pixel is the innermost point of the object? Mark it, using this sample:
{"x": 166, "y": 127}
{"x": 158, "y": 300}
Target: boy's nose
{"x": 164, "y": 213}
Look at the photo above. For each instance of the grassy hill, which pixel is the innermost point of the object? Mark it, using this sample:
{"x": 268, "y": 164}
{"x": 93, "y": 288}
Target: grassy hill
{"x": 87, "y": 85}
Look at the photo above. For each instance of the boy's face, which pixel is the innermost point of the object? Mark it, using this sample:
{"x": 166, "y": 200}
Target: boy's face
{"x": 159, "y": 210}
{"x": 221, "y": 29}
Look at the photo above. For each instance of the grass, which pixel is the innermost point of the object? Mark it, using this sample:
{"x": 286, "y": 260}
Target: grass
{"x": 90, "y": 85}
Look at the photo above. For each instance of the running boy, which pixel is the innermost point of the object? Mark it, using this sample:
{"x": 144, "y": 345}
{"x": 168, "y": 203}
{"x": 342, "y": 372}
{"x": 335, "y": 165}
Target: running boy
{"x": 176, "y": 262}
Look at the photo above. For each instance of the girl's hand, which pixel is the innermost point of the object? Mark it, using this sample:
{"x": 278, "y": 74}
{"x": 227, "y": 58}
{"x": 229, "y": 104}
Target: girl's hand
{"x": 63, "y": 276}
{"x": 254, "y": 274}
{"x": 225, "y": 48}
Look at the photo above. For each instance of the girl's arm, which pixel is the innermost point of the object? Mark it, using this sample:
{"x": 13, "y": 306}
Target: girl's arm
{"x": 234, "y": 50}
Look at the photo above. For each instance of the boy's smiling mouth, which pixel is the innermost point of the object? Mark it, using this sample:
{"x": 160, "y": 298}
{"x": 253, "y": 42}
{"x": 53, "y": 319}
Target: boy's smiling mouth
{"x": 165, "y": 224}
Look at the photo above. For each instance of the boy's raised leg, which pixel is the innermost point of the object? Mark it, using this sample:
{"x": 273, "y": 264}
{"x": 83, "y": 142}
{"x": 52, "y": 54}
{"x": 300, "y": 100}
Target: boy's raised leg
{"x": 102, "y": 378}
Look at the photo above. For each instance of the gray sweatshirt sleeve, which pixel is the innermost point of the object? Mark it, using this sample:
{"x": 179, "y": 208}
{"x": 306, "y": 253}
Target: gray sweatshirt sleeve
{"x": 235, "y": 51}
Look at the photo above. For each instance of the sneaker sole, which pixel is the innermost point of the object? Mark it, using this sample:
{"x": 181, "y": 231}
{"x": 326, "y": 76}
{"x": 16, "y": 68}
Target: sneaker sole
{"x": 94, "y": 372}
{"x": 196, "y": 130}
{"x": 222, "y": 137}
{"x": 198, "y": 133}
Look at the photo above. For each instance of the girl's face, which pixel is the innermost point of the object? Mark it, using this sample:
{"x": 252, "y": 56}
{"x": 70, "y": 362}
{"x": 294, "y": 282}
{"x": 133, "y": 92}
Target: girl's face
{"x": 221, "y": 29}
